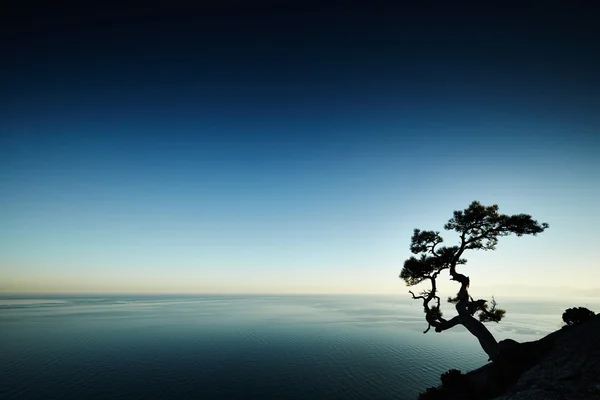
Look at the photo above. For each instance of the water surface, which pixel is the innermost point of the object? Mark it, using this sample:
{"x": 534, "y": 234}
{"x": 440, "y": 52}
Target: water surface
{"x": 236, "y": 347}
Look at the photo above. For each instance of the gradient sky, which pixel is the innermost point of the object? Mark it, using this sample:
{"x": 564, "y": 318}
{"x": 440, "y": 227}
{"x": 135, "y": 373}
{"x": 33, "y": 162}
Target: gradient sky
{"x": 260, "y": 148}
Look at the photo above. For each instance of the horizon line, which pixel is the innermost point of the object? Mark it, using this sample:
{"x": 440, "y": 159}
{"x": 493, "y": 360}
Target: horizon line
{"x": 401, "y": 295}
{"x": 193, "y": 293}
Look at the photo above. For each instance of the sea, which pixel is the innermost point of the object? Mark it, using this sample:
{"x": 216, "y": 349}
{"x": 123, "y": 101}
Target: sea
{"x": 238, "y": 346}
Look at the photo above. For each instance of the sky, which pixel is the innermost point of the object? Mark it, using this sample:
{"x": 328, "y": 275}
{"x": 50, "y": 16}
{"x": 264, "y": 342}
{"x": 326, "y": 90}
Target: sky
{"x": 269, "y": 148}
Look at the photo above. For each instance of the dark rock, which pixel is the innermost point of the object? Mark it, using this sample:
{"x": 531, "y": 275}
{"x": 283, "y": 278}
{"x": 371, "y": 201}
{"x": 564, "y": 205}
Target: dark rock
{"x": 563, "y": 365}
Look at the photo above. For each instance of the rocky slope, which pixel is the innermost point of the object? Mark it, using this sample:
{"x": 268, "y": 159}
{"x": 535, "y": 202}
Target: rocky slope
{"x": 563, "y": 365}
{"x": 570, "y": 369}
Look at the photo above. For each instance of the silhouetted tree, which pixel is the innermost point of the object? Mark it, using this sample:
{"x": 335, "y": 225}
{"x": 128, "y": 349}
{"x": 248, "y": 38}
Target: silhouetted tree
{"x": 575, "y": 315}
{"x": 479, "y": 228}
{"x": 455, "y": 385}
{"x": 453, "y": 379}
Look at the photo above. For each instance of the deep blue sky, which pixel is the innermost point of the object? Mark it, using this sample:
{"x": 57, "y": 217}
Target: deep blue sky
{"x": 289, "y": 148}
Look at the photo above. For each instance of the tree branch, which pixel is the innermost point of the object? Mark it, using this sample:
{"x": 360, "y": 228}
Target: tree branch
{"x": 416, "y": 297}
{"x": 432, "y": 249}
{"x": 448, "y": 324}
{"x": 433, "y": 315}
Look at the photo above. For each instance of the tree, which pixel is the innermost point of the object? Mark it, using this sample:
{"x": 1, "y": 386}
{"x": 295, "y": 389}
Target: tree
{"x": 479, "y": 228}
{"x": 576, "y": 315}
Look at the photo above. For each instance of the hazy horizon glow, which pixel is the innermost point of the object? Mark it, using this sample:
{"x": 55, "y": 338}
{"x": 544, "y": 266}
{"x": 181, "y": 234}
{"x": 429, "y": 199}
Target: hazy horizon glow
{"x": 292, "y": 160}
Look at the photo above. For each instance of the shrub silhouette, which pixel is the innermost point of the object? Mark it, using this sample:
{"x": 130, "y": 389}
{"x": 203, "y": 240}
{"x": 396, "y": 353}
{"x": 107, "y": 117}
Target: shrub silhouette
{"x": 453, "y": 379}
{"x": 431, "y": 393}
{"x": 576, "y": 315}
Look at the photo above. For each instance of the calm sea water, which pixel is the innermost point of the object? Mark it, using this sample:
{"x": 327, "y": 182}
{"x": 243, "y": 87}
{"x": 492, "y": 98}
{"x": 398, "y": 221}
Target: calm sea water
{"x": 236, "y": 347}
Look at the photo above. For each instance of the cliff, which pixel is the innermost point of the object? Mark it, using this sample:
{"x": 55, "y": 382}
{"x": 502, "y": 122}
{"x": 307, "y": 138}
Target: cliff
{"x": 563, "y": 365}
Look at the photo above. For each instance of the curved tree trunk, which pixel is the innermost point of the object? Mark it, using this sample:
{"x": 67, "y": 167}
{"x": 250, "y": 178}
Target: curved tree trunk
{"x": 486, "y": 339}
{"x": 476, "y": 328}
